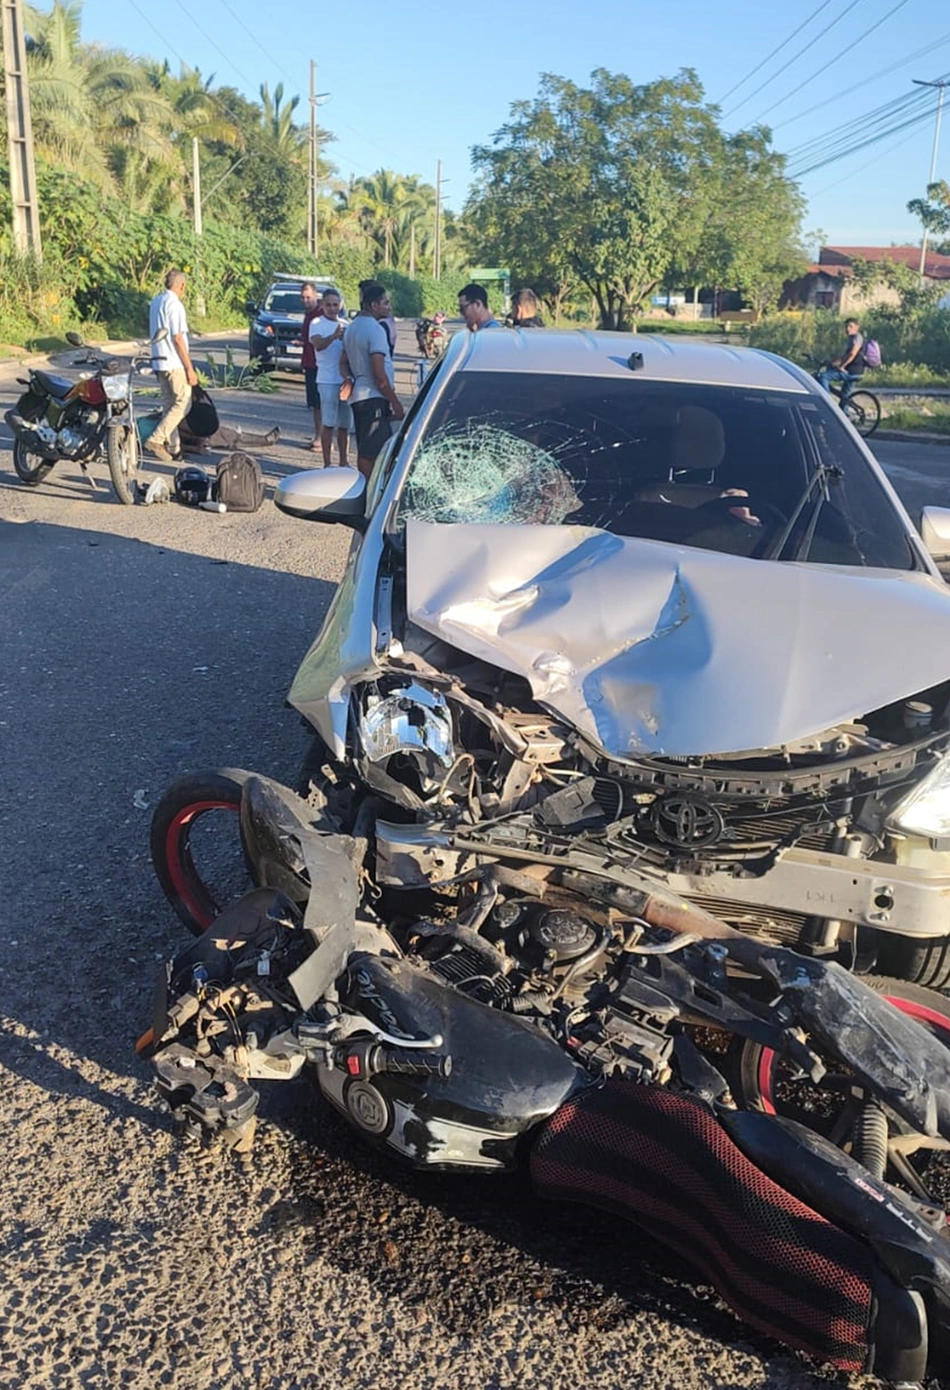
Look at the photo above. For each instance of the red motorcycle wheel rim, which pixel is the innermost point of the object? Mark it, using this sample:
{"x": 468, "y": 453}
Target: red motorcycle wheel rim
{"x": 765, "y": 1074}
{"x": 181, "y": 866}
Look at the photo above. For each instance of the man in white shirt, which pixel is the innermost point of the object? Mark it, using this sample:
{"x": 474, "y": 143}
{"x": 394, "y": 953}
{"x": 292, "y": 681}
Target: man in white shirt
{"x": 326, "y": 335}
{"x": 367, "y": 370}
{"x": 172, "y": 365}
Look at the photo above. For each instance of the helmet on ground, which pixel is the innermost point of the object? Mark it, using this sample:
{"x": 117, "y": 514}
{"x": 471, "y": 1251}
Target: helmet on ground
{"x": 192, "y": 485}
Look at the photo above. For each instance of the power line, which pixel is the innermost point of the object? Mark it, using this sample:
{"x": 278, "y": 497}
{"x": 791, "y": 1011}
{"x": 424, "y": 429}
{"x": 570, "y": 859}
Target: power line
{"x": 859, "y": 125}
{"x": 273, "y": 61}
{"x": 866, "y": 81}
{"x": 794, "y": 58}
{"x": 208, "y": 39}
{"x": 836, "y": 59}
{"x": 758, "y": 67}
{"x": 862, "y": 167}
{"x": 879, "y": 124}
{"x": 820, "y": 163}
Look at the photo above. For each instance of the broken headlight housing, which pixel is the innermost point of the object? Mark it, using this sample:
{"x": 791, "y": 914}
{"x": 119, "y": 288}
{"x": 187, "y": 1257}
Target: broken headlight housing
{"x": 926, "y": 810}
{"x": 410, "y": 720}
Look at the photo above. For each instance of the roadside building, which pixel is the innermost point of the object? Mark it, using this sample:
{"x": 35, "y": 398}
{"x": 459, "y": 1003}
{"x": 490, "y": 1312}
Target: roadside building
{"x": 829, "y": 282}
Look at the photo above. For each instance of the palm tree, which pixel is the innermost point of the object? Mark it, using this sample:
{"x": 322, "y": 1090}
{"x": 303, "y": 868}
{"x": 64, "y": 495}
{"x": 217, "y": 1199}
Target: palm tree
{"x": 286, "y": 139}
{"x": 389, "y": 206}
{"x": 90, "y": 103}
{"x": 196, "y": 114}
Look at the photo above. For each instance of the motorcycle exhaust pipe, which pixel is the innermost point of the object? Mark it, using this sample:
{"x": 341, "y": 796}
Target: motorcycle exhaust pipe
{"x": 33, "y": 433}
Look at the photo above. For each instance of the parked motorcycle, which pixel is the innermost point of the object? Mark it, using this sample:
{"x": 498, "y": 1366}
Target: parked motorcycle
{"x": 82, "y": 421}
{"x": 535, "y": 1007}
{"x": 431, "y": 337}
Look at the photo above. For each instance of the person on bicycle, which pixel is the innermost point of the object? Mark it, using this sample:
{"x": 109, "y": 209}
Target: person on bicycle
{"x": 849, "y": 367}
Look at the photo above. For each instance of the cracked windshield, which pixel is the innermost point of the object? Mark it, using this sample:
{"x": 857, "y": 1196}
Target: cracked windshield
{"x": 717, "y": 468}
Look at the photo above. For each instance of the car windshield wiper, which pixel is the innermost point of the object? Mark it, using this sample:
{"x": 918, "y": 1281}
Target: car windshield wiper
{"x": 817, "y": 492}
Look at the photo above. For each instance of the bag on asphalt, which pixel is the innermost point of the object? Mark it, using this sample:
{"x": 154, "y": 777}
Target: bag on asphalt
{"x": 240, "y": 483}
{"x": 872, "y": 353}
{"x": 202, "y": 418}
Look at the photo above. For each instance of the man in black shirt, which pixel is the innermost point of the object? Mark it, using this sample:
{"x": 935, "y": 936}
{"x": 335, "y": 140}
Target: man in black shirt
{"x": 849, "y": 367}
{"x": 524, "y": 310}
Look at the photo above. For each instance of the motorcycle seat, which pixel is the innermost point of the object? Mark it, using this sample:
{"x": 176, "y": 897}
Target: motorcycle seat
{"x": 57, "y": 386}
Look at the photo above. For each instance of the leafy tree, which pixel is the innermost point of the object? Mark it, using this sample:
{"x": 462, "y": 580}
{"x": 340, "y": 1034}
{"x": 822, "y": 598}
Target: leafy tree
{"x": 750, "y": 239}
{"x": 614, "y": 186}
{"x": 934, "y": 210}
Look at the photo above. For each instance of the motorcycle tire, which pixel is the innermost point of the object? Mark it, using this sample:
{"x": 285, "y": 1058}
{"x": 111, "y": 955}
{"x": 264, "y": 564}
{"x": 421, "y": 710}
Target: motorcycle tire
{"x": 31, "y": 474}
{"x": 188, "y": 802}
{"x": 123, "y": 454}
{"x": 758, "y": 1083}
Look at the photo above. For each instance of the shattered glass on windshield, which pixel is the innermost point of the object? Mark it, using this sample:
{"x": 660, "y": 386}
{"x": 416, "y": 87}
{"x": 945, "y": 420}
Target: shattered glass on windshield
{"x": 719, "y": 468}
{"x": 485, "y": 472}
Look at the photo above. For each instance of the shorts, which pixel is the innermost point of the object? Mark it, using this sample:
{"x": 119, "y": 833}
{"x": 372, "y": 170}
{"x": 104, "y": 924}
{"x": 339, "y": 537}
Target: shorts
{"x": 373, "y": 423}
{"x": 310, "y": 383}
{"x": 334, "y": 413}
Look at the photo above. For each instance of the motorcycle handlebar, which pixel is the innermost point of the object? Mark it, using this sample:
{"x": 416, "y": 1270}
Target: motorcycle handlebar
{"x": 362, "y": 1059}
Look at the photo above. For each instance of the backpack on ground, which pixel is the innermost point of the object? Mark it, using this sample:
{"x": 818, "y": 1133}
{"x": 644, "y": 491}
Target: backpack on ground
{"x": 240, "y": 483}
{"x": 872, "y": 353}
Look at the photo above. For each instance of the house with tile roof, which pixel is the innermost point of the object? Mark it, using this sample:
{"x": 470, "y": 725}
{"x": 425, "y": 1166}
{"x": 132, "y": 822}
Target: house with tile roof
{"x": 829, "y": 283}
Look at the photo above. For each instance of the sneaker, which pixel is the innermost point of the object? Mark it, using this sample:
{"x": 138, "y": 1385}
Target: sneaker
{"x": 158, "y": 451}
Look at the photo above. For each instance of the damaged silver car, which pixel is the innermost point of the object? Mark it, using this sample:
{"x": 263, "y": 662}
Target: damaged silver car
{"x": 657, "y": 608}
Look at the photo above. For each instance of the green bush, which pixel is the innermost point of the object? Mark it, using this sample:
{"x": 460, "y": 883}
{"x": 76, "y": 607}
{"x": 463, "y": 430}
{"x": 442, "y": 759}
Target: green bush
{"x": 920, "y": 339}
{"x": 102, "y": 263}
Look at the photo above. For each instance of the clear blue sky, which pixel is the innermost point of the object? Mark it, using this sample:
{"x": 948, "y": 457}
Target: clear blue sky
{"x": 435, "y": 79}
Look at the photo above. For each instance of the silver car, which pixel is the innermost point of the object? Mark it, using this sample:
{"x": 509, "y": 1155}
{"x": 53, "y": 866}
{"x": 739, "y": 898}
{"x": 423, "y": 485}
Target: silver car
{"x": 633, "y": 601}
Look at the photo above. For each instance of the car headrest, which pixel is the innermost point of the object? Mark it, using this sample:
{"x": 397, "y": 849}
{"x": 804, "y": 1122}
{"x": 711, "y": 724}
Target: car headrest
{"x": 699, "y": 441}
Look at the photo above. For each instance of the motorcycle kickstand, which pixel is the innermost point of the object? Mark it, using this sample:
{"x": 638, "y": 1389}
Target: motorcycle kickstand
{"x": 88, "y": 476}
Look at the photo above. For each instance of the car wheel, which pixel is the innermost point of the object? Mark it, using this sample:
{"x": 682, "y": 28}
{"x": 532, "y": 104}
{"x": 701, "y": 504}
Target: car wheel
{"x": 919, "y": 962}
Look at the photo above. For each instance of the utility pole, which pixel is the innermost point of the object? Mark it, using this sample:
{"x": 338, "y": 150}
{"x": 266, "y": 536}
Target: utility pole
{"x": 196, "y": 184}
{"x": 201, "y": 308}
{"x": 437, "y": 248}
{"x": 312, "y": 180}
{"x": 941, "y": 86}
{"x": 26, "y": 211}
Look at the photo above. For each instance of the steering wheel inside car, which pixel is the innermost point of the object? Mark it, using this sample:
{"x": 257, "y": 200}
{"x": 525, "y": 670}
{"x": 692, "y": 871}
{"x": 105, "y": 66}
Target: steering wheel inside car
{"x": 735, "y": 512}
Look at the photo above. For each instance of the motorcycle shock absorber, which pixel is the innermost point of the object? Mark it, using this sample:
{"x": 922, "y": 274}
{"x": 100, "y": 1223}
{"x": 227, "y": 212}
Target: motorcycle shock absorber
{"x": 869, "y": 1139}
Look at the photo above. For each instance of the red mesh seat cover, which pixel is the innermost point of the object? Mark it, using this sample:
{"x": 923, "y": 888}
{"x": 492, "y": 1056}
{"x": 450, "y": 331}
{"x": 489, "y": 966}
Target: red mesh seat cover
{"x": 662, "y": 1161}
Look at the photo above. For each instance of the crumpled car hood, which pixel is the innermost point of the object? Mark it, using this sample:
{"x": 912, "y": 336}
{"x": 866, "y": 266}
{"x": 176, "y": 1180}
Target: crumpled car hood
{"x": 650, "y": 648}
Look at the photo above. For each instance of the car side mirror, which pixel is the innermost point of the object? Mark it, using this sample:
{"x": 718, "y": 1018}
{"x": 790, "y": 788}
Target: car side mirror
{"x": 250, "y": 307}
{"x": 324, "y": 494}
{"x": 75, "y": 339}
{"x": 935, "y": 531}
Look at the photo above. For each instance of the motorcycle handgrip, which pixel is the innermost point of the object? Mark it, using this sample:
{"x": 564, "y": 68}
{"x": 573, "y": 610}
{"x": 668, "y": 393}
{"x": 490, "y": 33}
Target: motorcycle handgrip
{"x": 362, "y": 1058}
{"x": 414, "y": 1064}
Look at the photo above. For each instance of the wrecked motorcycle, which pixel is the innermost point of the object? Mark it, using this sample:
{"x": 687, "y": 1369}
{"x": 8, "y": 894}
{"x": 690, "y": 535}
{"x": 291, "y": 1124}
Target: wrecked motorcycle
{"x": 82, "y": 421}
{"x": 634, "y": 1052}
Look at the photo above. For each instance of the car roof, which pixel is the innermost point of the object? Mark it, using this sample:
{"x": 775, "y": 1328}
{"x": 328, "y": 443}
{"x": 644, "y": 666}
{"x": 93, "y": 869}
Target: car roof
{"x": 293, "y": 282}
{"x": 572, "y": 352}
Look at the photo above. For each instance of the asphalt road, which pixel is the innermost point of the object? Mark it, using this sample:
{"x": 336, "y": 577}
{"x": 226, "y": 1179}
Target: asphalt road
{"x": 138, "y": 643}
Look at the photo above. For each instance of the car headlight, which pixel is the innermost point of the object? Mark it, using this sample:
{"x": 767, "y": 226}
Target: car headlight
{"x": 412, "y": 720}
{"x": 266, "y": 330}
{"x": 926, "y": 810}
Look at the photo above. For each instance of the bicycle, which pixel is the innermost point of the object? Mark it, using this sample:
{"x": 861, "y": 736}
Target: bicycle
{"x": 861, "y": 407}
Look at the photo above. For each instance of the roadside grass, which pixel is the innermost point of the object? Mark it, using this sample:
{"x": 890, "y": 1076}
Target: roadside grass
{"x": 931, "y": 415}
{"x": 909, "y": 374}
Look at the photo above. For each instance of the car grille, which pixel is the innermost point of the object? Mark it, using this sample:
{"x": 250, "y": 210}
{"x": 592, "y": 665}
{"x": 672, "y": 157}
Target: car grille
{"x": 776, "y": 925}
